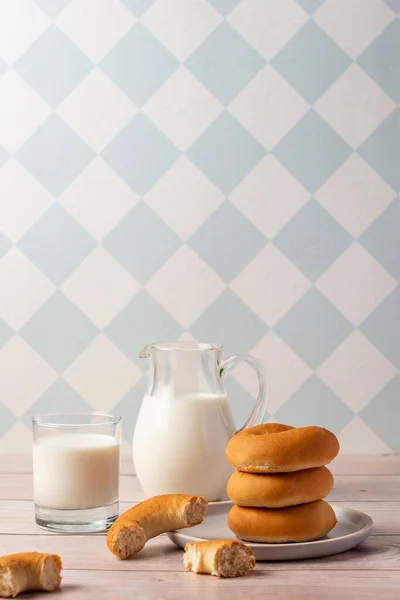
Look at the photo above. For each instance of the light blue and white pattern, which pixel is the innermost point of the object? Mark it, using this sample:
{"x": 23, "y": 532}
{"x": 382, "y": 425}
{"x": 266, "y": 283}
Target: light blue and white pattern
{"x": 220, "y": 170}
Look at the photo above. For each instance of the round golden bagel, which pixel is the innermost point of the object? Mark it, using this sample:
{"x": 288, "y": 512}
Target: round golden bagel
{"x": 279, "y": 489}
{"x": 277, "y": 448}
{"x": 302, "y": 523}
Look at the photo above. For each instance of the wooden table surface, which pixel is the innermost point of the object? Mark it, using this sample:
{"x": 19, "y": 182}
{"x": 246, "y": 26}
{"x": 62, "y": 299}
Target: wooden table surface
{"x": 367, "y": 483}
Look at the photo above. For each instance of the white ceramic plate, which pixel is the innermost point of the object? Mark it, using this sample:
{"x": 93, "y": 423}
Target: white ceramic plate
{"x": 352, "y": 528}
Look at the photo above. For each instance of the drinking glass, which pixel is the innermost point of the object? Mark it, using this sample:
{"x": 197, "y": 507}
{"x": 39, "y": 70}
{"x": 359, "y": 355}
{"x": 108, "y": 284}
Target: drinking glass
{"x": 76, "y": 467}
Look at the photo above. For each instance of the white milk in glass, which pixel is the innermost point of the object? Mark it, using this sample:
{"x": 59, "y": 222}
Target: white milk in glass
{"x": 76, "y": 471}
{"x": 179, "y": 444}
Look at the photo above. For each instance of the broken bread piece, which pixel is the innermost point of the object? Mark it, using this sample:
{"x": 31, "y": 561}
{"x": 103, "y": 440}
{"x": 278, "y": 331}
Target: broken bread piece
{"x": 160, "y": 514}
{"x": 223, "y": 558}
{"x": 29, "y": 571}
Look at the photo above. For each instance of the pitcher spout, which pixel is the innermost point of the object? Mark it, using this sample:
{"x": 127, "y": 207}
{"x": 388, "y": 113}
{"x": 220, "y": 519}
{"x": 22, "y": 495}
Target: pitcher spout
{"x": 145, "y": 352}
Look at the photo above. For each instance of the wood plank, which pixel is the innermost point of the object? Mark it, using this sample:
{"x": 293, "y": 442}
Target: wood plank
{"x": 304, "y": 585}
{"x": 383, "y": 488}
{"x": 344, "y": 464}
{"x": 90, "y": 552}
{"x": 366, "y": 464}
{"x": 17, "y": 516}
{"x": 378, "y": 488}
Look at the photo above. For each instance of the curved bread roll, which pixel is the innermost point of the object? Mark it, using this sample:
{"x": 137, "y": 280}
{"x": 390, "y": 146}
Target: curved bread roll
{"x": 223, "y": 558}
{"x": 146, "y": 520}
{"x": 29, "y": 571}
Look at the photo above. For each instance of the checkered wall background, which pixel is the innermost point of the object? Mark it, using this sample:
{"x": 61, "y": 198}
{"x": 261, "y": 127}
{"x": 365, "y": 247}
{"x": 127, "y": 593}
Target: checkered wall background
{"x": 223, "y": 170}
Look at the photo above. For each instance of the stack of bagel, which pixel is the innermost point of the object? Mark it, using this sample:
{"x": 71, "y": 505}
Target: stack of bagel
{"x": 280, "y": 482}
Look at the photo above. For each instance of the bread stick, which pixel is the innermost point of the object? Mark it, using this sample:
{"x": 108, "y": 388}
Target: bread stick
{"x": 159, "y": 514}
{"x": 223, "y": 558}
{"x": 29, "y": 571}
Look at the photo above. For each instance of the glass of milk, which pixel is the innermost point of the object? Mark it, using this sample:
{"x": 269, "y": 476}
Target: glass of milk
{"x": 76, "y": 466}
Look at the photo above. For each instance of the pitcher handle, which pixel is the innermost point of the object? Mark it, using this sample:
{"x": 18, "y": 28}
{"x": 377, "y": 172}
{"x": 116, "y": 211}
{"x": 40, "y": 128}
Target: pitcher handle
{"x": 260, "y": 407}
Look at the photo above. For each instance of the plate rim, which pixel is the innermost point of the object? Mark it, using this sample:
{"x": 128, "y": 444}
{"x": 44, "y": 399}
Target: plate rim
{"x": 364, "y": 530}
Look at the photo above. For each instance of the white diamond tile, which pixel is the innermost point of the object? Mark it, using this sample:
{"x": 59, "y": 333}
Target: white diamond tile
{"x": 184, "y": 197}
{"x": 356, "y": 284}
{"x": 18, "y": 440}
{"x": 356, "y": 371}
{"x": 22, "y": 111}
{"x": 269, "y": 196}
{"x": 97, "y": 110}
{"x": 181, "y": 25}
{"x": 24, "y": 376}
{"x": 23, "y": 289}
{"x": 102, "y": 374}
{"x": 269, "y": 107}
{"x": 22, "y": 200}
{"x": 354, "y": 106}
{"x": 267, "y": 25}
{"x": 98, "y": 199}
{"x": 187, "y": 337}
{"x": 21, "y": 23}
{"x": 355, "y": 195}
{"x": 185, "y": 286}
{"x": 357, "y": 438}
{"x": 100, "y": 287}
{"x": 95, "y": 25}
{"x": 284, "y": 369}
{"x": 270, "y": 270}
{"x": 183, "y": 108}
{"x": 353, "y": 24}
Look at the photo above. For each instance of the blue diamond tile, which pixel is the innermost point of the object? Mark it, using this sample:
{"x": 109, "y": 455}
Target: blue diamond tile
{"x": 224, "y": 6}
{"x": 59, "y": 332}
{"x": 138, "y": 7}
{"x": 7, "y": 419}
{"x": 382, "y": 150}
{"x": 312, "y": 151}
{"x": 394, "y": 5}
{"x": 226, "y": 152}
{"x": 53, "y": 66}
{"x": 382, "y": 327}
{"x": 142, "y": 242}
{"x": 52, "y": 7}
{"x": 311, "y": 61}
{"x": 227, "y": 241}
{"x": 315, "y": 404}
{"x": 241, "y": 402}
{"x": 381, "y": 60}
{"x": 5, "y": 245}
{"x": 313, "y": 328}
{"x": 140, "y": 153}
{"x": 6, "y": 333}
{"x": 141, "y": 322}
{"x": 128, "y": 408}
{"x": 382, "y": 414}
{"x": 55, "y": 155}
{"x": 57, "y": 244}
{"x": 60, "y": 397}
{"x": 225, "y": 63}
{"x": 311, "y": 5}
{"x": 139, "y": 64}
{"x": 312, "y": 240}
{"x": 382, "y": 238}
{"x": 230, "y": 322}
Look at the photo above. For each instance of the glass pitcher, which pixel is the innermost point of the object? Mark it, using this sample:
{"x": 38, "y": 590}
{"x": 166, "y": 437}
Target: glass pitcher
{"x": 185, "y": 420}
